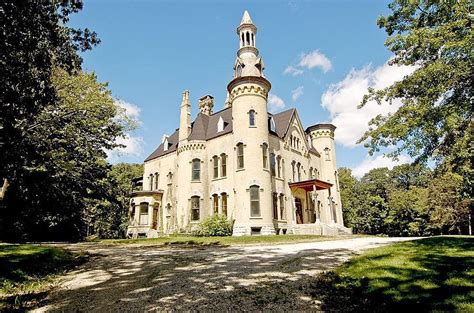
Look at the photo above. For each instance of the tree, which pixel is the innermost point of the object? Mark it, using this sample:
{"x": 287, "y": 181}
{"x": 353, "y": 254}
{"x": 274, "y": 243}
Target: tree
{"x": 108, "y": 217}
{"x": 447, "y": 208}
{"x": 407, "y": 214}
{"x": 347, "y": 185}
{"x": 435, "y": 120}
{"x": 70, "y": 137}
{"x": 34, "y": 40}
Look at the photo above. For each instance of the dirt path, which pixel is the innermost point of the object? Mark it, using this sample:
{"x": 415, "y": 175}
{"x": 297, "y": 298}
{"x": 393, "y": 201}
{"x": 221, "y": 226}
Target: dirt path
{"x": 143, "y": 278}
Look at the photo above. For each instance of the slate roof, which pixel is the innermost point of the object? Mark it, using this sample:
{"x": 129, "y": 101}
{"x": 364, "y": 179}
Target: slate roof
{"x": 204, "y": 127}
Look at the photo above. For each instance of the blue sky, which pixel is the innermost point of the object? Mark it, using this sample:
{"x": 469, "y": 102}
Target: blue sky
{"x": 320, "y": 57}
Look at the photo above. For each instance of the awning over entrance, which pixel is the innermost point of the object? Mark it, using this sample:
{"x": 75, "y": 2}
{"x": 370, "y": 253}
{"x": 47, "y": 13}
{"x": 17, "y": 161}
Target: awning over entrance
{"x": 309, "y": 184}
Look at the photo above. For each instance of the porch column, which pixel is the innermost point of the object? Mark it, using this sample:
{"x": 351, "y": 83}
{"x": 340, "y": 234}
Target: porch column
{"x": 151, "y": 204}
{"x": 315, "y": 205}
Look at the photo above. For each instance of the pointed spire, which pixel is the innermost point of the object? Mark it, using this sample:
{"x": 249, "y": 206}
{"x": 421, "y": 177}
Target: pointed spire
{"x": 246, "y": 18}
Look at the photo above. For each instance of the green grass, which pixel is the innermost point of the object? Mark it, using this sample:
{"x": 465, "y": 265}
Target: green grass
{"x": 432, "y": 274}
{"x": 223, "y": 241}
{"x": 27, "y": 272}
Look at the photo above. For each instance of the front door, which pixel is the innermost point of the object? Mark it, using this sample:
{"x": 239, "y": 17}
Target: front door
{"x": 299, "y": 211}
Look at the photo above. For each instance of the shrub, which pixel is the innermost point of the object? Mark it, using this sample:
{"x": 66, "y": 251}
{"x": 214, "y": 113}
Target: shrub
{"x": 215, "y": 225}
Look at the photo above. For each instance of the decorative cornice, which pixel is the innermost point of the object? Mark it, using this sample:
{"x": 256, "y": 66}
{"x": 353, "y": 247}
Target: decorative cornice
{"x": 191, "y": 146}
{"x": 262, "y": 82}
{"x": 322, "y": 133}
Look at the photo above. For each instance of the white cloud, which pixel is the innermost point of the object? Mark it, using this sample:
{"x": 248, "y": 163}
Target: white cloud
{"x": 131, "y": 110}
{"x": 342, "y": 98}
{"x": 315, "y": 59}
{"x": 296, "y": 93}
{"x": 375, "y": 162}
{"x": 291, "y": 70}
{"x": 276, "y": 103}
{"x": 133, "y": 145}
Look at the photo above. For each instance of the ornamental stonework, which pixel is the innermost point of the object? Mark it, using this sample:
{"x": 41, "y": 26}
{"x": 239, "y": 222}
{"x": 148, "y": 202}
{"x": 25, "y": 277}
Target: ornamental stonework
{"x": 191, "y": 147}
{"x": 249, "y": 90}
{"x": 322, "y": 133}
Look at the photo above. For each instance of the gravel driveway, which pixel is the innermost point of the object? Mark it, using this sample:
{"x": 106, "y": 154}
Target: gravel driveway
{"x": 143, "y": 278}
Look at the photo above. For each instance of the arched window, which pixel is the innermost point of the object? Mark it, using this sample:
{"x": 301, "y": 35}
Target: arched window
{"x": 282, "y": 207}
{"x": 279, "y": 166}
{"x": 143, "y": 219}
{"x": 326, "y": 153}
{"x": 254, "y": 201}
{"x": 195, "y": 208}
{"x": 252, "y": 118}
{"x": 275, "y": 205}
{"x": 170, "y": 178}
{"x": 238, "y": 70}
{"x": 293, "y": 170}
{"x": 223, "y": 165}
{"x": 310, "y": 173}
{"x": 298, "y": 167}
{"x": 150, "y": 182}
{"x": 215, "y": 203}
{"x": 156, "y": 180}
{"x": 224, "y": 203}
{"x": 272, "y": 164}
{"x": 215, "y": 162}
{"x": 240, "y": 155}
{"x": 248, "y": 38}
{"x": 265, "y": 155}
{"x": 196, "y": 172}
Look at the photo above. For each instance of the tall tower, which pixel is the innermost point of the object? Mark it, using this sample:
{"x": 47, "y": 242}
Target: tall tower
{"x": 322, "y": 138}
{"x": 248, "y": 93}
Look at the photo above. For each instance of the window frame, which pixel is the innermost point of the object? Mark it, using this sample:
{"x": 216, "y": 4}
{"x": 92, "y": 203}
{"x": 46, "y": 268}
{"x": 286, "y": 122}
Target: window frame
{"x": 215, "y": 165}
{"x": 215, "y": 203}
{"x": 223, "y": 165}
{"x": 141, "y": 215}
{"x": 224, "y": 200}
{"x": 195, "y": 200}
{"x": 240, "y": 156}
{"x": 252, "y": 118}
{"x": 196, "y": 169}
{"x": 254, "y": 197}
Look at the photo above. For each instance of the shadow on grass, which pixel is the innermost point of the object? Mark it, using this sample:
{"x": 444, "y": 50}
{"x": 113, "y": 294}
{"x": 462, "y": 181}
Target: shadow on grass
{"x": 434, "y": 274}
{"x": 26, "y": 272}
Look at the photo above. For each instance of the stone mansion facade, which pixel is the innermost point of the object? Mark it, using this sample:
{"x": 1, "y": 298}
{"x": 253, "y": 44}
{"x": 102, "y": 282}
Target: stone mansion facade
{"x": 264, "y": 171}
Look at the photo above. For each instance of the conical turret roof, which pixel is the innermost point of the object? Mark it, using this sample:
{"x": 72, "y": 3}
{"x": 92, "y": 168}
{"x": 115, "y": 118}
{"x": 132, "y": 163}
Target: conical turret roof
{"x": 246, "y": 18}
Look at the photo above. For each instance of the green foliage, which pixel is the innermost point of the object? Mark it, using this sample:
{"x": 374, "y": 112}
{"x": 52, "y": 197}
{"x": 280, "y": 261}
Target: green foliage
{"x": 435, "y": 120}
{"x": 408, "y": 200}
{"x": 71, "y": 137}
{"x": 108, "y": 217}
{"x": 426, "y": 275}
{"x": 215, "y": 225}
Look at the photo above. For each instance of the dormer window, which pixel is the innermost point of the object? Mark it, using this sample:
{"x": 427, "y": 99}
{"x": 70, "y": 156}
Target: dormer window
{"x": 272, "y": 124}
{"x": 220, "y": 124}
{"x": 165, "y": 144}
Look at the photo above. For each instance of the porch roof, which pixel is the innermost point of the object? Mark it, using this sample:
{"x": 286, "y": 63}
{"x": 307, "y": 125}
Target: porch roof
{"x": 309, "y": 184}
{"x": 144, "y": 193}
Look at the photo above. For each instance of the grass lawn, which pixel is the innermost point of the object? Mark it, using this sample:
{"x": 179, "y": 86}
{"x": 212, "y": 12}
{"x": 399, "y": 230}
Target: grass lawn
{"x": 27, "y": 273}
{"x": 224, "y": 241}
{"x": 432, "y": 274}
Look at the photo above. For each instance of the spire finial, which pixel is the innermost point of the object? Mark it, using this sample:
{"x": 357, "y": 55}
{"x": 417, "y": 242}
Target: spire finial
{"x": 246, "y": 18}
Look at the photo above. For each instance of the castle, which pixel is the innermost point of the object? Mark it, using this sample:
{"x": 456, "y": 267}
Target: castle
{"x": 264, "y": 171}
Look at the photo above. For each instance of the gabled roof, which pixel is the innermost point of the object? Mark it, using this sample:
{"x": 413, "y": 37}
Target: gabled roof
{"x": 282, "y": 121}
{"x": 204, "y": 127}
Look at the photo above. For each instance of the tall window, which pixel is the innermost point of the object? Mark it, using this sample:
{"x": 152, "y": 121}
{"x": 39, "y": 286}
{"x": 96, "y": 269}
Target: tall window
{"x": 143, "y": 220}
{"x": 215, "y": 161}
{"x": 336, "y": 180}
{"x": 223, "y": 165}
{"x": 251, "y": 118}
{"x": 293, "y": 170}
{"x": 224, "y": 203}
{"x": 272, "y": 163}
{"x": 275, "y": 205}
{"x": 264, "y": 155}
{"x": 195, "y": 208}
{"x": 150, "y": 182}
{"x": 298, "y": 166}
{"x": 215, "y": 203}
{"x": 156, "y": 180}
{"x": 240, "y": 155}
{"x": 282, "y": 207}
{"x": 326, "y": 154}
{"x": 310, "y": 173}
{"x": 196, "y": 175}
{"x": 279, "y": 166}
{"x": 254, "y": 201}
